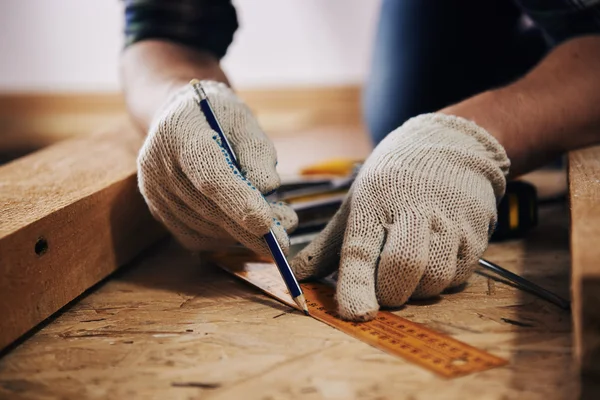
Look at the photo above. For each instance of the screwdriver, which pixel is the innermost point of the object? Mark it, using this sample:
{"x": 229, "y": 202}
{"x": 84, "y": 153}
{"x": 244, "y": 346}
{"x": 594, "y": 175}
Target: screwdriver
{"x": 526, "y": 284}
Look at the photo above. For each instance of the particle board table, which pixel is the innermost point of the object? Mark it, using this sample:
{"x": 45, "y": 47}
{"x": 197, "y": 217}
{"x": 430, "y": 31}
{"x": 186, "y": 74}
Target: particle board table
{"x": 172, "y": 325}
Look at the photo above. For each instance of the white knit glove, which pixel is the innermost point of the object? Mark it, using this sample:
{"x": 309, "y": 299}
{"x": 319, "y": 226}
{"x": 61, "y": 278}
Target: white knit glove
{"x": 417, "y": 218}
{"x": 192, "y": 187}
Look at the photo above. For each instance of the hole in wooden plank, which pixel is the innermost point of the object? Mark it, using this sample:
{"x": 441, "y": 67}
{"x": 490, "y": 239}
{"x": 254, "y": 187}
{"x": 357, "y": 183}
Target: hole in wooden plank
{"x": 458, "y": 362}
{"x": 41, "y": 246}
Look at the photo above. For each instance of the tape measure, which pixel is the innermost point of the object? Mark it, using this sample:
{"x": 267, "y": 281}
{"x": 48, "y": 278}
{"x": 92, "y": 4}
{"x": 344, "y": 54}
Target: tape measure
{"x": 517, "y": 211}
{"x": 414, "y": 342}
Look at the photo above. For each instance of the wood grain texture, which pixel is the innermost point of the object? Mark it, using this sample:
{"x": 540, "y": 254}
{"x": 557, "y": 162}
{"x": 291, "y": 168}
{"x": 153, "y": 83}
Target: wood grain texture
{"x": 174, "y": 327}
{"x": 584, "y": 192}
{"x": 30, "y": 121}
{"x": 291, "y": 110}
{"x": 388, "y": 332}
{"x": 69, "y": 216}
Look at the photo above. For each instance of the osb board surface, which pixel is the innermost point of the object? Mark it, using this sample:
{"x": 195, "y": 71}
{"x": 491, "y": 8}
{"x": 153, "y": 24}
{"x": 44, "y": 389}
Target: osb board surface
{"x": 171, "y": 326}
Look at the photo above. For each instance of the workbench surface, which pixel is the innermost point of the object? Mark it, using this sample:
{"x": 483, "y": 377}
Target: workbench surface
{"x": 172, "y": 326}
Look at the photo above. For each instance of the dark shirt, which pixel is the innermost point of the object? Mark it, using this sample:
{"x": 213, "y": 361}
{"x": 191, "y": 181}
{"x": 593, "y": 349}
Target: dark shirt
{"x": 562, "y": 20}
{"x": 209, "y": 25}
{"x": 206, "y": 25}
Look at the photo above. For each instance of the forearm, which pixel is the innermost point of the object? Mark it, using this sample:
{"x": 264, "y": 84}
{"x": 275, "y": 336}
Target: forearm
{"x": 553, "y": 109}
{"x": 152, "y": 69}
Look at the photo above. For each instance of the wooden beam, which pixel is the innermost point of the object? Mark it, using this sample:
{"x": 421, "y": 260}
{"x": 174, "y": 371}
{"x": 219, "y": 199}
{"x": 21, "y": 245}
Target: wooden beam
{"x": 70, "y": 215}
{"x": 584, "y": 188}
{"x": 30, "y": 121}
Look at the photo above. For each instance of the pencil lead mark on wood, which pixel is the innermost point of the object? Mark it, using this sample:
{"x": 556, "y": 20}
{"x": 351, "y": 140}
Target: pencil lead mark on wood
{"x": 491, "y": 287}
{"x": 188, "y": 300}
{"x": 201, "y": 385}
{"x": 115, "y": 333}
{"x": 517, "y": 323}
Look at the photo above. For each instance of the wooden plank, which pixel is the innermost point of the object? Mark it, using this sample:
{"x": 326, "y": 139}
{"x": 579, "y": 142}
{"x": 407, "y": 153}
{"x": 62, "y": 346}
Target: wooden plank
{"x": 69, "y": 216}
{"x": 175, "y": 327}
{"x": 584, "y": 191}
{"x": 30, "y": 121}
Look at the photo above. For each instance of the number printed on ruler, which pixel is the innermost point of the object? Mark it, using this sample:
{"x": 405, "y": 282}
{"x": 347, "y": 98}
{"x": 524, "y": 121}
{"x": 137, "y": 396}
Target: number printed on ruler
{"x": 414, "y": 342}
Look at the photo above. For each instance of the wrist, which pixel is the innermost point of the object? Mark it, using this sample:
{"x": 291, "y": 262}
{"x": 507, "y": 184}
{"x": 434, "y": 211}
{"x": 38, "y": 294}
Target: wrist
{"x": 153, "y": 70}
{"x": 496, "y": 112}
{"x": 554, "y": 108}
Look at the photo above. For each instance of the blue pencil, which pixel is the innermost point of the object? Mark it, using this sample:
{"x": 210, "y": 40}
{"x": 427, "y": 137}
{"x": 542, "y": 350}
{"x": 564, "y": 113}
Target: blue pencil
{"x": 274, "y": 248}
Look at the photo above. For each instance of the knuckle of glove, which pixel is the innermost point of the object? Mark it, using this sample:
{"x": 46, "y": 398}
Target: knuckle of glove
{"x": 372, "y": 181}
{"x": 300, "y": 266}
{"x": 286, "y": 215}
{"x": 256, "y": 217}
{"x": 305, "y": 263}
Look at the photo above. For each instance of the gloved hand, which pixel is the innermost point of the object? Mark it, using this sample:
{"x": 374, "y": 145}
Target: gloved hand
{"x": 417, "y": 218}
{"x": 192, "y": 188}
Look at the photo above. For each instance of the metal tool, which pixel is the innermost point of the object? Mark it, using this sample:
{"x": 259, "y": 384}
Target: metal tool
{"x": 309, "y": 228}
{"x": 526, "y": 284}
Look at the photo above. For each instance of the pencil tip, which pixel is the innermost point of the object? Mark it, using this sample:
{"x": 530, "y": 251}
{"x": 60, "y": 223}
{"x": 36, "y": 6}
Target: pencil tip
{"x": 301, "y": 301}
{"x": 306, "y": 313}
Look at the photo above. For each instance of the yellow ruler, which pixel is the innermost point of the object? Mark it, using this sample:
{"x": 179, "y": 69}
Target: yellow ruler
{"x": 435, "y": 351}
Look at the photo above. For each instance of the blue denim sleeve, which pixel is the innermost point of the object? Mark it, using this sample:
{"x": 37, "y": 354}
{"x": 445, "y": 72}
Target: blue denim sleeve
{"x": 207, "y": 25}
{"x": 564, "y": 19}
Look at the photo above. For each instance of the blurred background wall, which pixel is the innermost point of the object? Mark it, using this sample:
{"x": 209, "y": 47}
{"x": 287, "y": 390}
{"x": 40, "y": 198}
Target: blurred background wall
{"x": 299, "y": 64}
{"x": 73, "y": 45}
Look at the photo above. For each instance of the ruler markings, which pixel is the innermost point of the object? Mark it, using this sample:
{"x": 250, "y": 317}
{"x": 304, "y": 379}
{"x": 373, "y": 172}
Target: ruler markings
{"x": 391, "y": 333}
